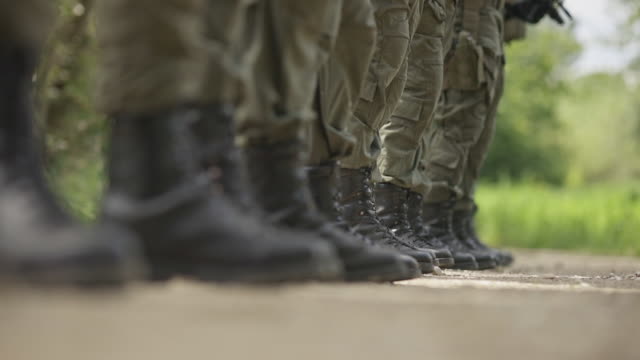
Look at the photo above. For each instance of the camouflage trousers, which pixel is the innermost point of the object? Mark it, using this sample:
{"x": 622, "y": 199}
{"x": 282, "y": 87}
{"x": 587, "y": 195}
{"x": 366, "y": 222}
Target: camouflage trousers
{"x": 401, "y": 136}
{"x": 294, "y": 41}
{"x": 25, "y": 22}
{"x": 340, "y": 82}
{"x": 157, "y": 54}
{"x": 396, "y": 22}
{"x": 458, "y": 140}
{"x": 260, "y": 55}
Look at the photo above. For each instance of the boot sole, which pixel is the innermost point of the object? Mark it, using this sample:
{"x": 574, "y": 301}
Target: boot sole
{"x": 320, "y": 271}
{"x": 427, "y": 268}
{"x": 446, "y": 262}
{"x": 387, "y": 273}
{"x": 486, "y": 265}
{"x": 465, "y": 266}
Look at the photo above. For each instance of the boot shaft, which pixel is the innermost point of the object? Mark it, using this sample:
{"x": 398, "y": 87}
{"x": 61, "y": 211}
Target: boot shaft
{"x": 322, "y": 182}
{"x": 154, "y": 153}
{"x": 391, "y": 204}
{"x": 356, "y": 194}
{"x": 437, "y": 217}
{"x": 278, "y": 180}
{"x": 461, "y": 224}
{"x": 414, "y": 211}
{"x": 220, "y": 157}
{"x": 20, "y": 146}
{"x": 19, "y": 149}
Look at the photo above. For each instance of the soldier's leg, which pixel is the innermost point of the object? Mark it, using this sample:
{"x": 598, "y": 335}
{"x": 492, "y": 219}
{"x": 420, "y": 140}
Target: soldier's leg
{"x": 293, "y": 50}
{"x": 385, "y": 78}
{"x": 399, "y": 160}
{"x": 340, "y": 81}
{"x": 465, "y": 208}
{"x": 478, "y": 153}
{"x": 401, "y": 135}
{"x": 471, "y": 80}
{"x": 168, "y": 66}
{"x": 39, "y": 241}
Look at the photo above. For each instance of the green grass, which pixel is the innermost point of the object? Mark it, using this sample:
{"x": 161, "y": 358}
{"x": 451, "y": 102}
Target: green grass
{"x": 603, "y": 219}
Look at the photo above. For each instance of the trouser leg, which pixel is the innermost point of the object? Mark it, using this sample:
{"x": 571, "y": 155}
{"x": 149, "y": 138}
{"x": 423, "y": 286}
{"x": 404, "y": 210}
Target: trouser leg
{"x": 396, "y": 21}
{"x": 341, "y": 80}
{"x": 399, "y": 161}
{"x": 479, "y": 152}
{"x": 293, "y": 47}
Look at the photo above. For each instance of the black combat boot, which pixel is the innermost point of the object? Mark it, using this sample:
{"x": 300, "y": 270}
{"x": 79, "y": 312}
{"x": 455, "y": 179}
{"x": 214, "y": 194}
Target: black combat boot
{"x": 430, "y": 239}
{"x": 322, "y": 183}
{"x": 159, "y": 190}
{"x": 438, "y": 218}
{"x": 280, "y": 185}
{"x": 39, "y": 241}
{"x": 464, "y": 227}
{"x": 358, "y": 210}
{"x": 221, "y": 157}
{"x": 392, "y": 210}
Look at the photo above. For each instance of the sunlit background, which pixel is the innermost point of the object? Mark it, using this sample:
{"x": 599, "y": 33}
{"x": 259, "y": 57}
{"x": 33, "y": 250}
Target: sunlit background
{"x": 564, "y": 171}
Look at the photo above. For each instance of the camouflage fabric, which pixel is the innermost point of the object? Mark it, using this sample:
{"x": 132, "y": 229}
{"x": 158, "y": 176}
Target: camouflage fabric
{"x": 401, "y": 136}
{"x": 396, "y": 22}
{"x": 459, "y": 138}
{"x": 341, "y": 80}
{"x": 292, "y": 47}
{"x": 478, "y": 153}
{"x": 25, "y": 22}
{"x": 161, "y": 53}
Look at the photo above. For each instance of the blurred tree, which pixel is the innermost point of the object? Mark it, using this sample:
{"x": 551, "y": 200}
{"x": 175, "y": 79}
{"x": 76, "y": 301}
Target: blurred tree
{"x": 527, "y": 137}
{"x": 601, "y": 127}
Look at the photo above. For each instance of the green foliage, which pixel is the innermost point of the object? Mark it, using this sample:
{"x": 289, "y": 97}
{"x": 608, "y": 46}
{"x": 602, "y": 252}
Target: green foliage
{"x": 598, "y": 219}
{"x": 601, "y": 129}
{"x": 560, "y": 129}
{"x": 525, "y": 146}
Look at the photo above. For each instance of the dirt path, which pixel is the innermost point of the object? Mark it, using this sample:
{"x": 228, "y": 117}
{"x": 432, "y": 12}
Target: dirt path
{"x": 549, "y": 306}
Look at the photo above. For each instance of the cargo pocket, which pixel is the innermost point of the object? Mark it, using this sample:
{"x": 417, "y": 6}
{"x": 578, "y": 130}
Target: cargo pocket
{"x": 425, "y": 51}
{"x": 408, "y": 110}
{"x": 438, "y": 9}
{"x": 464, "y": 71}
{"x": 432, "y": 21}
{"x": 443, "y": 152}
{"x": 393, "y": 43}
{"x": 369, "y": 88}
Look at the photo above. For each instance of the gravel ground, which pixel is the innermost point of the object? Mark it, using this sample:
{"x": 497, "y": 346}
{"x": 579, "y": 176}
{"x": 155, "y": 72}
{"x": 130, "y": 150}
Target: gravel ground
{"x": 550, "y": 305}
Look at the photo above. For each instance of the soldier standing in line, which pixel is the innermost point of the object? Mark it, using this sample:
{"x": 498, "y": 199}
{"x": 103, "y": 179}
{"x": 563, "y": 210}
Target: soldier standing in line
{"x": 341, "y": 80}
{"x": 399, "y": 178}
{"x": 397, "y": 22}
{"x": 272, "y": 125}
{"x": 517, "y": 13}
{"x": 167, "y": 66}
{"x": 460, "y": 132}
